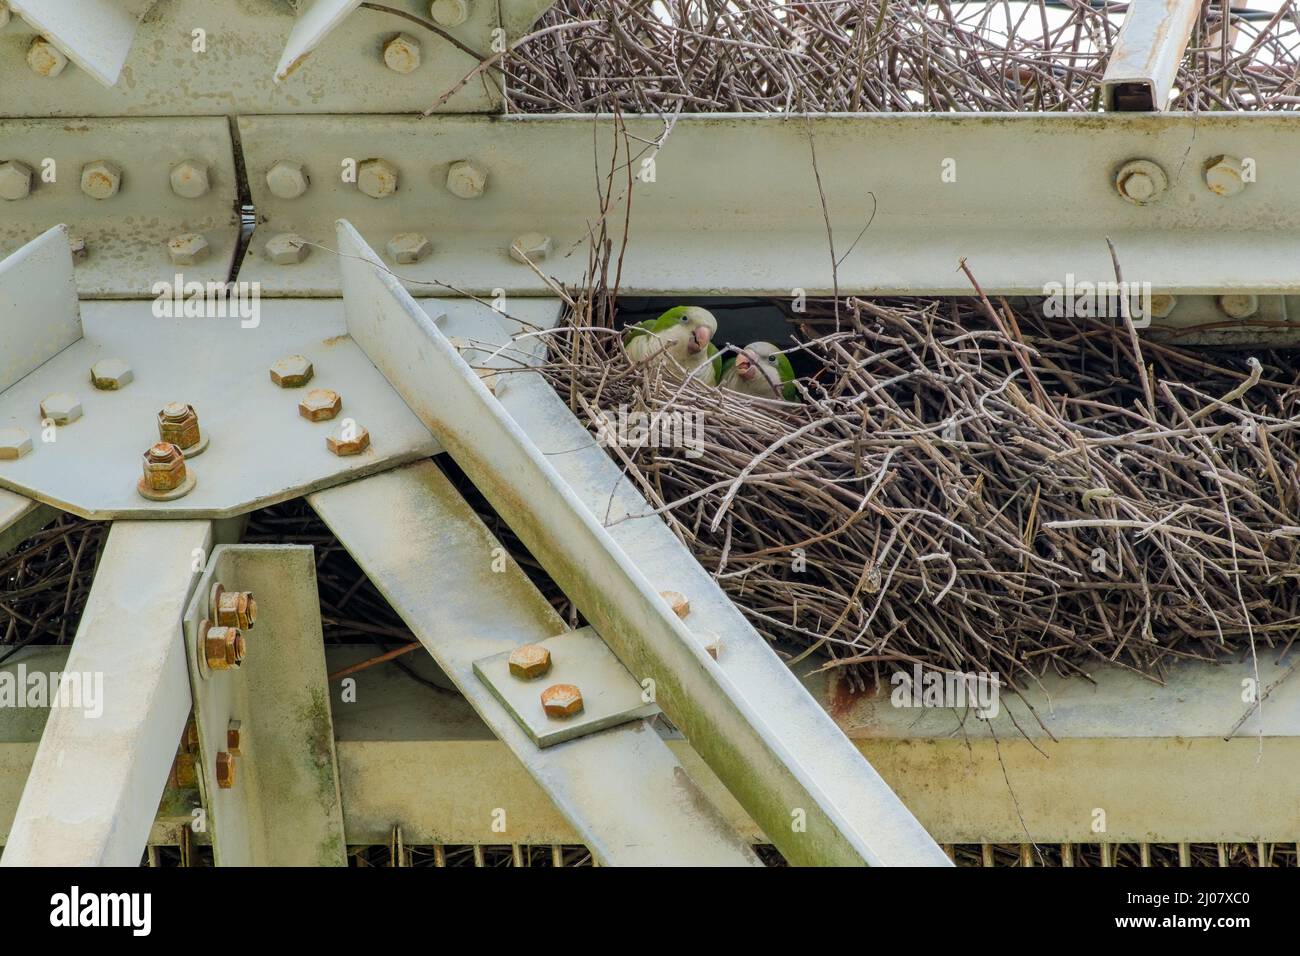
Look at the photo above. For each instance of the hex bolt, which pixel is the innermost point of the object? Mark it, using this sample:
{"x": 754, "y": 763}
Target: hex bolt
{"x": 236, "y": 609}
{"x": 350, "y": 439}
{"x": 677, "y": 601}
{"x": 190, "y": 739}
{"x": 1163, "y": 305}
{"x": 14, "y": 443}
{"x": 62, "y": 408}
{"x": 165, "y": 476}
{"x": 101, "y": 179}
{"x": 1141, "y": 181}
{"x": 233, "y": 737}
{"x": 185, "y": 773}
{"x": 287, "y": 249}
{"x": 188, "y": 249}
{"x": 225, "y": 770}
{"x": 377, "y": 178}
{"x": 466, "y": 180}
{"x": 189, "y": 179}
{"x": 533, "y": 246}
{"x": 77, "y": 246}
{"x": 15, "y": 180}
{"x": 408, "y": 247}
{"x": 45, "y": 58}
{"x": 1239, "y": 305}
{"x": 449, "y": 13}
{"x": 223, "y": 647}
{"x": 1223, "y": 175}
{"x": 402, "y": 53}
{"x": 287, "y": 179}
{"x": 292, "y": 371}
{"x": 562, "y": 700}
{"x": 529, "y": 661}
{"x": 320, "y": 405}
{"x": 110, "y": 374}
{"x": 178, "y": 424}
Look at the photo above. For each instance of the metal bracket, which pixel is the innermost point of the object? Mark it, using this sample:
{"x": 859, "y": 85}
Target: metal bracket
{"x": 1144, "y": 62}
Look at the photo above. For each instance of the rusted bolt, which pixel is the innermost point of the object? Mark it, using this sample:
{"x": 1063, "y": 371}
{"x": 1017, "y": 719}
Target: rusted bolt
{"x": 531, "y": 245}
{"x": 286, "y": 179}
{"x": 1239, "y": 305}
{"x": 1141, "y": 181}
{"x": 292, "y": 371}
{"x": 350, "y": 439}
{"x": 377, "y": 178}
{"x": 164, "y": 471}
{"x": 179, "y": 424}
{"x": 529, "y": 661}
{"x": 408, "y": 247}
{"x": 184, "y": 774}
{"x": 62, "y": 408}
{"x": 223, "y": 648}
{"x": 232, "y": 737}
{"x": 225, "y": 770}
{"x": 677, "y": 601}
{"x": 190, "y": 739}
{"x": 14, "y": 442}
{"x": 77, "y": 246}
{"x": 713, "y": 648}
{"x": 287, "y": 249}
{"x": 320, "y": 405}
{"x": 402, "y": 53}
{"x": 562, "y": 700}
{"x": 1163, "y": 305}
{"x": 45, "y": 58}
{"x": 236, "y": 609}
{"x": 466, "y": 180}
{"x": 189, "y": 179}
{"x": 449, "y": 13}
{"x": 110, "y": 374}
{"x": 101, "y": 179}
{"x": 15, "y": 180}
{"x": 1223, "y": 175}
{"x": 188, "y": 249}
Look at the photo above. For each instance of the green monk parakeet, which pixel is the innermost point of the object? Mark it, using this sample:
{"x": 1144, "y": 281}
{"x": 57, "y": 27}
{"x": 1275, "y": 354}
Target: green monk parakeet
{"x": 762, "y": 371}
{"x": 683, "y": 334}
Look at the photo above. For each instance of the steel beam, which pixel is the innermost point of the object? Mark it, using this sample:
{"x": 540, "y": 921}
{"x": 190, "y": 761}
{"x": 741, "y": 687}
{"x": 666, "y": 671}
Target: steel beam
{"x": 788, "y": 764}
{"x": 95, "y": 34}
{"x": 97, "y": 779}
{"x": 1144, "y": 62}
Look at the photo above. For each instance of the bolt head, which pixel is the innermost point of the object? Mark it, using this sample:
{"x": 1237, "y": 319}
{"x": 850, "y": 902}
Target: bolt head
{"x": 402, "y": 53}
{"x": 237, "y": 609}
{"x": 529, "y": 661}
{"x": 1141, "y": 181}
{"x": 350, "y": 439}
{"x": 408, "y": 247}
{"x": 188, "y": 249}
{"x": 77, "y": 245}
{"x": 164, "y": 467}
{"x": 110, "y": 374}
{"x": 1223, "y": 175}
{"x": 62, "y": 408}
{"x": 287, "y": 249}
{"x": 287, "y": 180}
{"x": 15, "y": 180}
{"x": 178, "y": 424}
{"x": 532, "y": 246}
{"x": 1163, "y": 305}
{"x": 232, "y": 736}
{"x": 189, "y": 179}
{"x": 320, "y": 405}
{"x": 45, "y": 58}
{"x": 377, "y": 178}
{"x": 292, "y": 371}
{"x": 101, "y": 179}
{"x": 562, "y": 700}
{"x": 449, "y": 13}
{"x": 466, "y": 180}
{"x": 1239, "y": 305}
{"x": 14, "y": 443}
{"x": 225, "y": 770}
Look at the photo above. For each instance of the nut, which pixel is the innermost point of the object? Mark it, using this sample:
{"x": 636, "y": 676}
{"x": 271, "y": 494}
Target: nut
{"x": 466, "y": 180}
{"x": 1239, "y": 305}
{"x": 292, "y": 371}
{"x": 189, "y": 179}
{"x": 62, "y": 408}
{"x": 1141, "y": 181}
{"x": 562, "y": 700}
{"x": 15, "y": 180}
{"x": 1163, "y": 304}
{"x": 45, "y": 58}
{"x": 320, "y": 405}
{"x": 287, "y": 249}
{"x": 164, "y": 468}
{"x": 350, "y": 439}
{"x": 101, "y": 179}
{"x": 408, "y": 247}
{"x": 677, "y": 601}
{"x": 185, "y": 774}
{"x": 286, "y": 179}
{"x": 377, "y": 178}
{"x": 190, "y": 739}
{"x": 402, "y": 53}
{"x": 188, "y": 249}
{"x": 110, "y": 374}
{"x": 449, "y": 13}
{"x": 531, "y": 245}
{"x": 236, "y": 609}
{"x": 179, "y": 425}
{"x": 529, "y": 660}
{"x": 77, "y": 245}
{"x": 14, "y": 443}
{"x": 223, "y": 647}
{"x": 225, "y": 770}
{"x": 232, "y": 737}
{"x": 1223, "y": 175}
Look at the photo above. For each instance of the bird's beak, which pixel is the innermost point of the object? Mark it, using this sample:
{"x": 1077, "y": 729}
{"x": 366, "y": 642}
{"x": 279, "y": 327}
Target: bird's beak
{"x": 699, "y": 339}
{"x": 745, "y": 366}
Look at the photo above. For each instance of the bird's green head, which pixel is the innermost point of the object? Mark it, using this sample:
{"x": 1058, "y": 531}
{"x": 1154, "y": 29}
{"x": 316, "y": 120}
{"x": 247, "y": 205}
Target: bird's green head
{"x": 699, "y": 324}
{"x": 764, "y": 358}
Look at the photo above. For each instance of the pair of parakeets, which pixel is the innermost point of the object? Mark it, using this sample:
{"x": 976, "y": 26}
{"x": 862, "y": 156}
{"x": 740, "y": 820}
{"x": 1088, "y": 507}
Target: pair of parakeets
{"x": 685, "y": 334}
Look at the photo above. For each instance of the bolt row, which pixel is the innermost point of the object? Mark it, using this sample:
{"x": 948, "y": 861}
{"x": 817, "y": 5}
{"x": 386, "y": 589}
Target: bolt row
{"x": 102, "y": 179}
{"x": 376, "y": 178}
{"x": 405, "y": 248}
{"x": 1143, "y": 181}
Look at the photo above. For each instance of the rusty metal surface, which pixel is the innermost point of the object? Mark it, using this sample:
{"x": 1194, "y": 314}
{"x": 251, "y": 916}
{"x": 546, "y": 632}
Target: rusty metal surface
{"x": 1144, "y": 61}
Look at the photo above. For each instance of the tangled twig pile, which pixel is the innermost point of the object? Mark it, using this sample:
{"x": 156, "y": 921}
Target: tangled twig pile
{"x": 973, "y": 488}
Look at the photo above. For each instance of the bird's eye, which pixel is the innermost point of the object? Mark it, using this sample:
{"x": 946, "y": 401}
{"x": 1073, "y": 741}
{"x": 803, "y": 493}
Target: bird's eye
{"x": 684, "y": 318}
{"x": 772, "y": 359}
